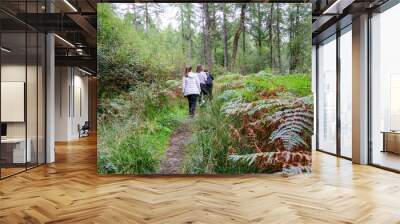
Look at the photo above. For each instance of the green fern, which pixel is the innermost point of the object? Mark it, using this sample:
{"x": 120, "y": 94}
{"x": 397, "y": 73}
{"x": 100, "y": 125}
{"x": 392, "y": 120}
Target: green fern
{"x": 294, "y": 125}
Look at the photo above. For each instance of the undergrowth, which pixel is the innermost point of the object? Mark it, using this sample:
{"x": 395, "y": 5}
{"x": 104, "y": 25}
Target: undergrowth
{"x": 256, "y": 123}
{"x": 136, "y": 128}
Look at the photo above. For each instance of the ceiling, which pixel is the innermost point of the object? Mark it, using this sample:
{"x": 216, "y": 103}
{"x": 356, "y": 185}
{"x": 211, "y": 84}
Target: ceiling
{"x": 75, "y": 23}
{"x": 329, "y": 15}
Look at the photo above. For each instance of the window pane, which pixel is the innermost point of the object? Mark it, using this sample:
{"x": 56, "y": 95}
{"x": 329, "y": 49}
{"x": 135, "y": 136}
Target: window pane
{"x": 327, "y": 96}
{"x": 346, "y": 94}
{"x": 386, "y": 89}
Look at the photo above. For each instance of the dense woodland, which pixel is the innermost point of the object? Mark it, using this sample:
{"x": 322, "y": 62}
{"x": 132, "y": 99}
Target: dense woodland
{"x": 260, "y": 55}
{"x": 233, "y": 37}
{"x": 237, "y": 37}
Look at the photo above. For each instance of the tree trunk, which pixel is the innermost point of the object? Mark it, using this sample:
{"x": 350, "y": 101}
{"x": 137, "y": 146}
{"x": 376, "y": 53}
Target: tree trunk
{"x": 271, "y": 37}
{"x": 189, "y": 23}
{"x": 135, "y": 22}
{"x": 213, "y": 27}
{"x": 297, "y": 50}
{"x": 236, "y": 37}
{"x": 183, "y": 36}
{"x": 259, "y": 31}
{"x": 244, "y": 34}
{"x": 278, "y": 36}
{"x": 225, "y": 30}
{"x": 207, "y": 36}
{"x": 291, "y": 42}
{"x": 146, "y": 16}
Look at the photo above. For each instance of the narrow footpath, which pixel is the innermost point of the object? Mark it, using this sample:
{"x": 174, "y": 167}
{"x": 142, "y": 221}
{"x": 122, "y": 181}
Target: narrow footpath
{"x": 176, "y": 151}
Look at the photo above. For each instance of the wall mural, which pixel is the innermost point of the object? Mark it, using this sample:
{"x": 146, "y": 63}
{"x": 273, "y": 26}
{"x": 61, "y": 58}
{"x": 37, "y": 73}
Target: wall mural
{"x": 204, "y": 88}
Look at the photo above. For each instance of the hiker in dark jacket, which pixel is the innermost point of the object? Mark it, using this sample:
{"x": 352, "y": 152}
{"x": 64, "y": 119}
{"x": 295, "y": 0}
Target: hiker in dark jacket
{"x": 209, "y": 83}
{"x": 203, "y": 78}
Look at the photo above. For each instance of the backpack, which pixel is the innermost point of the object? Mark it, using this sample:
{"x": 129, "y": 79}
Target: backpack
{"x": 209, "y": 80}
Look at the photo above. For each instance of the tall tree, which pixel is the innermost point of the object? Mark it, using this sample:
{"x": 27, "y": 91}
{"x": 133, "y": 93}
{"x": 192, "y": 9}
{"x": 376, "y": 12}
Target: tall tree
{"x": 257, "y": 31}
{"x": 244, "y": 34}
{"x": 225, "y": 33}
{"x": 278, "y": 36}
{"x": 146, "y": 16}
{"x": 207, "y": 24}
{"x": 271, "y": 36}
{"x": 213, "y": 26}
{"x": 237, "y": 35}
{"x": 259, "y": 28}
{"x": 190, "y": 31}
{"x": 186, "y": 26}
{"x": 145, "y": 13}
{"x": 135, "y": 21}
{"x": 291, "y": 44}
{"x": 296, "y": 33}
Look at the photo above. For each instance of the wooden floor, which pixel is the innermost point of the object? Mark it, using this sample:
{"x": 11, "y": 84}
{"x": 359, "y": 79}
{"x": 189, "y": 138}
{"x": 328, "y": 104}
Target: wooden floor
{"x": 387, "y": 159}
{"x": 70, "y": 191}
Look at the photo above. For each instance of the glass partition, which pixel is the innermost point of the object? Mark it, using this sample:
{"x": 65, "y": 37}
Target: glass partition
{"x": 346, "y": 93}
{"x": 327, "y": 95}
{"x": 22, "y": 78}
{"x": 385, "y": 89}
{"x": 14, "y": 151}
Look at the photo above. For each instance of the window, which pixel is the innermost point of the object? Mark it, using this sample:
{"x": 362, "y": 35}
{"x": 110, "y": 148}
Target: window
{"x": 385, "y": 89}
{"x": 346, "y": 92}
{"x": 327, "y": 96}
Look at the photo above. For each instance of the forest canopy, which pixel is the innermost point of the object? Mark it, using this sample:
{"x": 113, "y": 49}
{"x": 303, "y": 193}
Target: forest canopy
{"x": 244, "y": 38}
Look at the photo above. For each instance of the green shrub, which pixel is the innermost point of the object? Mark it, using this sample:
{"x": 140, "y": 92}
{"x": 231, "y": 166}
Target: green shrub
{"x": 135, "y": 130}
{"x": 234, "y": 133}
{"x": 209, "y": 150}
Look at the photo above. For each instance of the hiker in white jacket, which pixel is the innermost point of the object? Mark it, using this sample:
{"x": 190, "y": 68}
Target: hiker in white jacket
{"x": 203, "y": 79}
{"x": 191, "y": 88}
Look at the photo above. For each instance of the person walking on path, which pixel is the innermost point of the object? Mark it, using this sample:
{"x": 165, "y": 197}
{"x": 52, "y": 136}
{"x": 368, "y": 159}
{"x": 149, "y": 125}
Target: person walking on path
{"x": 191, "y": 88}
{"x": 209, "y": 83}
{"x": 203, "y": 79}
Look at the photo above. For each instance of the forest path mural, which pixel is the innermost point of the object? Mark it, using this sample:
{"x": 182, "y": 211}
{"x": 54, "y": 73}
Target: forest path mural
{"x": 204, "y": 88}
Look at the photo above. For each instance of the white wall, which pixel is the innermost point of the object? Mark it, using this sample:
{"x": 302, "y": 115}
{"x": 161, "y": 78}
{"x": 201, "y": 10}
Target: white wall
{"x": 70, "y": 83}
{"x": 17, "y": 73}
{"x": 62, "y": 82}
{"x": 33, "y": 126}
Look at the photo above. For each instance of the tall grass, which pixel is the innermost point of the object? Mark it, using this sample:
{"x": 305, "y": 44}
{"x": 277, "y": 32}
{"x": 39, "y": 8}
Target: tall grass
{"x": 135, "y": 128}
{"x": 209, "y": 150}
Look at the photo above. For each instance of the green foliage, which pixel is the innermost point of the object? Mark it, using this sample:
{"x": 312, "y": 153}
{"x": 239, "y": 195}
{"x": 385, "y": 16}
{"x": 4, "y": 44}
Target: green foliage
{"x": 136, "y": 146}
{"x": 245, "y": 130}
{"x": 209, "y": 150}
{"x": 127, "y": 55}
{"x": 261, "y": 85}
{"x": 294, "y": 123}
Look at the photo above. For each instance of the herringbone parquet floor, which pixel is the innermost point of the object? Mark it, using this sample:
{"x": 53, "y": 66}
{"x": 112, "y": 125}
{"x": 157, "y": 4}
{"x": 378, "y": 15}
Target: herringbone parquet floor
{"x": 70, "y": 191}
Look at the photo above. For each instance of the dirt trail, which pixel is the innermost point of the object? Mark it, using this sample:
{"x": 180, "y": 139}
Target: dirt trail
{"x": 175, "y": 153}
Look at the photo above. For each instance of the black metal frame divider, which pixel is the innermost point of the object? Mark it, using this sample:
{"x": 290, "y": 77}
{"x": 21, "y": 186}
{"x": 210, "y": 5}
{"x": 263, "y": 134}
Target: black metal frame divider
{"x": 339, "y": 31}
{"x": 44, "y": 80}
